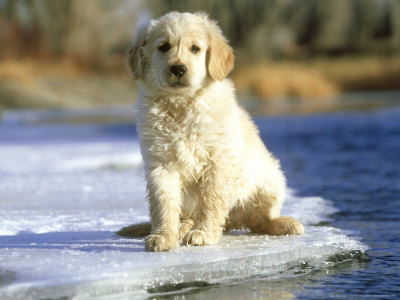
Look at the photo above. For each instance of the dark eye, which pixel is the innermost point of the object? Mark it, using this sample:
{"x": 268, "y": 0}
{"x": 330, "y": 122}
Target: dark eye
{"x": 195, "y": 49}
{"x": 164, "y": 47}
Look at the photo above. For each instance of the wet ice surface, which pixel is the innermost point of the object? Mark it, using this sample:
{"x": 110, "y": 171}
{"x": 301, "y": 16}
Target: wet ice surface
{"x": 65, "y": 189}
{"x": 99, "y": 263}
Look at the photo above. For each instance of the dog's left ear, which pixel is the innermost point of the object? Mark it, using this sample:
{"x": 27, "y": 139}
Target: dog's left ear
{"x": 220, "y": 55}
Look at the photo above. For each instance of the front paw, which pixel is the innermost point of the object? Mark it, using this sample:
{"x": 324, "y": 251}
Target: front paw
{"x": 186, "y": 225}
{"x": 199, "y": 238}
{"x": 160, "y": 242}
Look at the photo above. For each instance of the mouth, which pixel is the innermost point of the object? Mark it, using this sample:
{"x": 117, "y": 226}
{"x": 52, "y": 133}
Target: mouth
{"x": 178, "y": 85}
{"x": 172, "y": 83}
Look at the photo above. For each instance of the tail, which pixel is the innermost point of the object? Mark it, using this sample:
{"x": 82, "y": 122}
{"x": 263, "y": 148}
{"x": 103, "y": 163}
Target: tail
{"x": 135, "y": 230}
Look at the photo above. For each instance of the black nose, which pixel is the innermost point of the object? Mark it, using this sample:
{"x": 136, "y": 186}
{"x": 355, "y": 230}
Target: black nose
{"x": 178, "y": 70}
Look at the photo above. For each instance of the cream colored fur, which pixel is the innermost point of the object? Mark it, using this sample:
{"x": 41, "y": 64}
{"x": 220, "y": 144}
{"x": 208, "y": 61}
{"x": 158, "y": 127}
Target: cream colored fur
{"x": 207, "y": 169}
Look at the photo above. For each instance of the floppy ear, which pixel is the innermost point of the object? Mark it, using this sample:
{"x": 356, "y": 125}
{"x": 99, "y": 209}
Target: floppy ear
{"x": 136, "y": 60}
{"x": 220, "y": 55}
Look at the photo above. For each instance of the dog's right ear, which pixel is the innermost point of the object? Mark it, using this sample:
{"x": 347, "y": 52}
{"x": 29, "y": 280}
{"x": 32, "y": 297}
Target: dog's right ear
{"x": 136, "y": 60}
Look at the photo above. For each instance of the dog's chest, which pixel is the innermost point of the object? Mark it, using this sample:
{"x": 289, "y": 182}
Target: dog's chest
{"x": 178, "y": 135}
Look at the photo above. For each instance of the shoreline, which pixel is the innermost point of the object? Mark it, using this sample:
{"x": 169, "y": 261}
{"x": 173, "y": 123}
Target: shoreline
{"x": 125, "y": 112}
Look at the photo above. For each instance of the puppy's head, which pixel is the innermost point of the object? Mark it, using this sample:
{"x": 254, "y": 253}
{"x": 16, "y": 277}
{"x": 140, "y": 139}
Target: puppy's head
{"x": 179, "y": 53}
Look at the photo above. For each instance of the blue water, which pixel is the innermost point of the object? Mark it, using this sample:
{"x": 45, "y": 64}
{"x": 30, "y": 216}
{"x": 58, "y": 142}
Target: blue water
{"x": 352, "y": 159}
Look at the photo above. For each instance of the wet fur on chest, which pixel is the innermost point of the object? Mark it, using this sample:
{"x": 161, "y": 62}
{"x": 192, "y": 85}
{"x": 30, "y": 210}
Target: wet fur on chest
{"x": 174, "y": 129}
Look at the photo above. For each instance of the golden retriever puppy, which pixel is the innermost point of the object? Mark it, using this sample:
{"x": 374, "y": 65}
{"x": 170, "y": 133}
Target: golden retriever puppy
{"x": 206, "y": 167}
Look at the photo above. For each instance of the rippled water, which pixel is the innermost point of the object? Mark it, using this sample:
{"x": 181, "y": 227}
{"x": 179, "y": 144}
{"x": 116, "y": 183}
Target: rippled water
{"x": 352, "y": 159}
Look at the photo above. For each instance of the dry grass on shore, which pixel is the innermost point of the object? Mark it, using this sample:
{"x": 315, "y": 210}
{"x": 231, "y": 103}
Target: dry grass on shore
{"x": 275, "y": 81}
{"x": 62, "y": 83}
{"x": 363, "y": 73}
{"x": 319, "y": 78}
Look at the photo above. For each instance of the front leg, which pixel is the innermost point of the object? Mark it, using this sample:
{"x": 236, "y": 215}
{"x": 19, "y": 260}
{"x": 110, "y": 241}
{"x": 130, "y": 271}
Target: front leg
{"x": 211, "y": 208}
{"x": 164, "y": 195}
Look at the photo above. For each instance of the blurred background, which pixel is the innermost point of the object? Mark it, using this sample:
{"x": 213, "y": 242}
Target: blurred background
{"x": 291, "y": 55}
{"x": 70, "y": 163}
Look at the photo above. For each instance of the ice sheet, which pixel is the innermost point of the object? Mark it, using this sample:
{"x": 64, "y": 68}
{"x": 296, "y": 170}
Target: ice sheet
{"x": 65, "y": 190}
{"x": 88, "y": 264}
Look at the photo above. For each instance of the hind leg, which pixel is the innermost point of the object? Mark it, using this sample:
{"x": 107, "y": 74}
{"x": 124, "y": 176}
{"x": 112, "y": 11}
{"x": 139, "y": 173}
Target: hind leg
{"x": 282, "y": 225}
{"x": 263, "y": 215}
